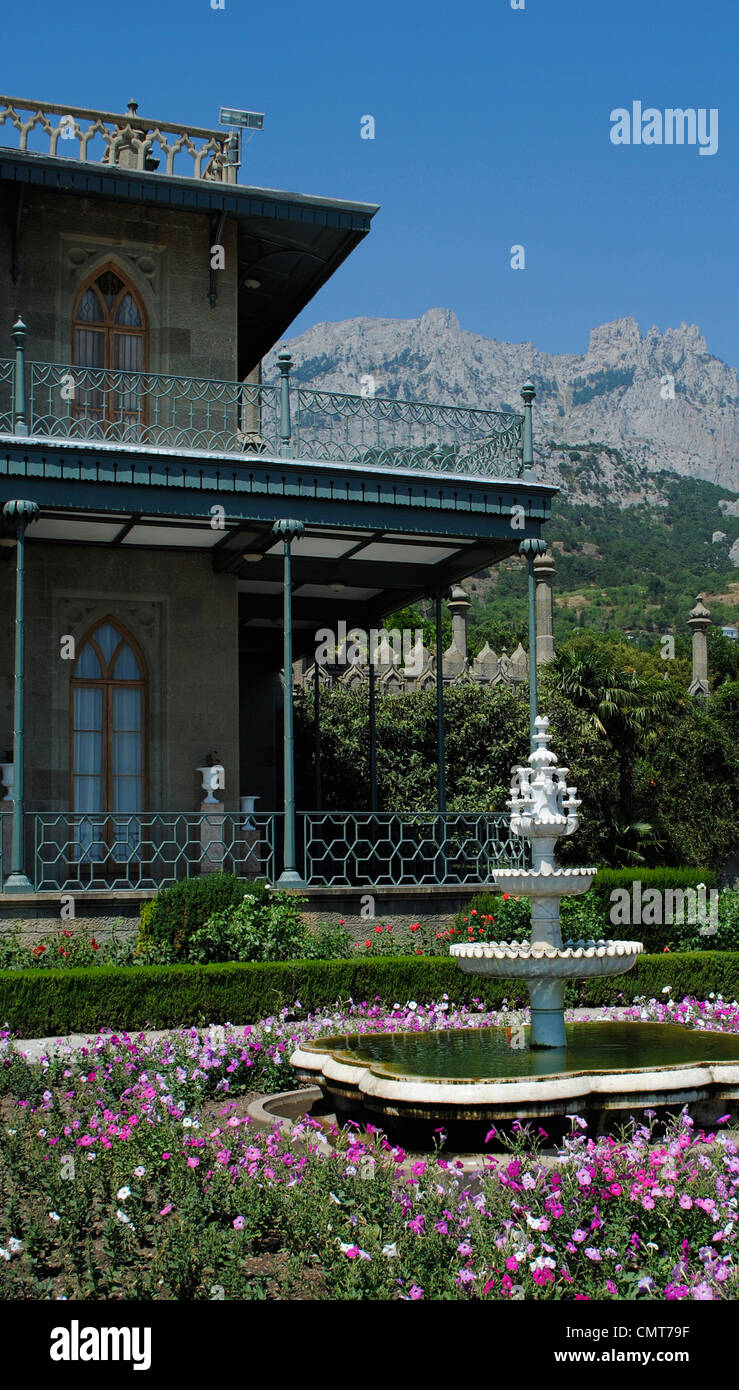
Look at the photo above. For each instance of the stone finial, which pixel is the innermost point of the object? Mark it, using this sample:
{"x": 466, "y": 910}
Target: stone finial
{"x": 518, "y": 666}
{"x": 699, "y": 622}
{"x": 544, "y": 573}
{"x": 455, "y": 658}
{"x": 700, "y": 615}
{"x": 485, "y": 666}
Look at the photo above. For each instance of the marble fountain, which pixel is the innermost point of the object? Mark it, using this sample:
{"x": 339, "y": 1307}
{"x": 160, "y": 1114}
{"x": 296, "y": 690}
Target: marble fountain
{"x": 461, "y": 1079}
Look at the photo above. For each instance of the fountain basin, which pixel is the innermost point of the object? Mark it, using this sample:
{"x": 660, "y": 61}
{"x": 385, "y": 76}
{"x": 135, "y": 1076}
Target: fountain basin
{"x": 523, "y": 960}
{"x": 545, "y": 882}
{"x": 481, "y": 1075}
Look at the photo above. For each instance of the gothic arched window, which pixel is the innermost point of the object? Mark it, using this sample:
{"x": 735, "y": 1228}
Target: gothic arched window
{"x": 108, "y": 736}
{"x": 109, "y": 340}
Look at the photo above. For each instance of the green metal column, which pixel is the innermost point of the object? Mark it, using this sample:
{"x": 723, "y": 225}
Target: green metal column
{"x": 528, "y": 393}
{"x": 530, "y": 549}
{"x": 440, "y": 750}
{"x": 20, "y": 424}
{"x": 21, "y": 513}
{"x": 288, "y": 531}
{"x": 317, "y": 733}
{"x": 284, "y": 362}
{"x": 372, "y": 733}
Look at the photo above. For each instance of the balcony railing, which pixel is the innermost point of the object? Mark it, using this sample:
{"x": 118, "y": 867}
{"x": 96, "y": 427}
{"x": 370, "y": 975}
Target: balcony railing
{"x": 385, "y": 849}
{"x": 77, "y": 853}
{"x": 128, "y": 140}
{"x": 158, "y": 410}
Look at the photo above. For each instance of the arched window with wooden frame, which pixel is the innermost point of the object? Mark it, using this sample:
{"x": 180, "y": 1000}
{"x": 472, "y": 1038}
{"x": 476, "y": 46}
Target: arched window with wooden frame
{"x": 109, "y": 351}
{"x": 108, "y": 752}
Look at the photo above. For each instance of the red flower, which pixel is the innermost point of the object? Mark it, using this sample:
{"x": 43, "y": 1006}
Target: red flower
{"x": 419, "y": 952}
{"x": 378, "y": 928}
{"x": 415, "y": 926}
{"x": 438, "y": 936}
{"x": 388, "y": 927}
{"x": 368, "y": 943}
{"x": 506, "y": 896}
{"x": 342, "y": 923}
{"x": 94, "y": 944}
{"x": 38, "y": 950}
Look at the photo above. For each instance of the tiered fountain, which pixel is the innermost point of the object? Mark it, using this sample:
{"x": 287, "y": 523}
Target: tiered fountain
{"x": 544, "y": 808}
{"x": 458, "y": 1076}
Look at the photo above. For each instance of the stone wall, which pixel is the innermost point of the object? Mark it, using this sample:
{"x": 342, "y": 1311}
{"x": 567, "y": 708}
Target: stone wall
{"x": 163, "y": 253}
{"x": 185, "y": 621}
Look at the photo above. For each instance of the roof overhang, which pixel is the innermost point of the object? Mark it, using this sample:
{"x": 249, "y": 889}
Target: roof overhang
{"x": 291, "y": 243}
{"x": 372, "y": 543}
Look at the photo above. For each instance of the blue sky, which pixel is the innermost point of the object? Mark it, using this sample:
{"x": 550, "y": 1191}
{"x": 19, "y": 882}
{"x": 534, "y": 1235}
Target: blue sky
{"x": 492, "y": 129}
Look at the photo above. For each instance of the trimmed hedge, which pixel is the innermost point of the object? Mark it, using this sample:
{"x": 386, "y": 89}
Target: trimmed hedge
{"x": 43, "y": 1003}
{"x": 608, "y": 879}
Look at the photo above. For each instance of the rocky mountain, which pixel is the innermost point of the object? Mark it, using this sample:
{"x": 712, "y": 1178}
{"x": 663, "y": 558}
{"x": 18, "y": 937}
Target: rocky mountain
{"x": 632, "y": 405}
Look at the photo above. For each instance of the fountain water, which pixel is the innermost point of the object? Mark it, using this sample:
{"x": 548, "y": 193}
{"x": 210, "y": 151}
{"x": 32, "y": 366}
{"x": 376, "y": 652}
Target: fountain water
{"x": 472, "y": 1076}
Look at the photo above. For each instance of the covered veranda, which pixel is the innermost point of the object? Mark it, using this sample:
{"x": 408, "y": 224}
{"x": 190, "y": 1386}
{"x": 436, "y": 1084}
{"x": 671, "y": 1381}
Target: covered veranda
{"x": 308, "y": 544}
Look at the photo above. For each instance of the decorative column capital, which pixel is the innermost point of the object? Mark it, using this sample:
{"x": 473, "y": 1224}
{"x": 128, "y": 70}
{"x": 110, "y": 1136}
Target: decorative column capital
{"x": 288, "y": 530}
{"x": 531, "y": 547}
{"x": 19, "y": 332}
{"x": 284, "y": 361}
{"x": 20, "y": 512}
{"x": 528, "y": 393}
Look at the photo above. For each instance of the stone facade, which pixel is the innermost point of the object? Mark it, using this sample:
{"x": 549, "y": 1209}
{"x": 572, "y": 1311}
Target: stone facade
{"x": 164, "y": 254}
{"x": 184, "y": 619}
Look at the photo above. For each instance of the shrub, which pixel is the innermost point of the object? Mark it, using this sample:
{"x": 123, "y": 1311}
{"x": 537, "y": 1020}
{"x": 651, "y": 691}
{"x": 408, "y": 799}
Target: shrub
{"x": 170, "y": 919}
{"x": 266, "y": 928}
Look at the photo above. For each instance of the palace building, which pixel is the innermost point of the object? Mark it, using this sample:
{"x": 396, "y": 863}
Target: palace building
{"x": 175, "y": 529}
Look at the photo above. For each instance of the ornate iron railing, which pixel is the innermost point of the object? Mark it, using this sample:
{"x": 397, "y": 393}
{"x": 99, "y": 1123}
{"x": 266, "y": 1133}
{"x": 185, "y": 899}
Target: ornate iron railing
{"x": 7, "y": 377}
{"x": 376, "y": 431}
{"x": 128, "y": 140}
{"x": 357, "y": 849}
{"x": 160, "y": 410}
{"x": 148, "y": 408}
{"x": 76, "y": 852}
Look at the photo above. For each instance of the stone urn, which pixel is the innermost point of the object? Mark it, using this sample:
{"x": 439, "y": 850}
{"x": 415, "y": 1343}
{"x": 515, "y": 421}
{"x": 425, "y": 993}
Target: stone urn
{"x": 212, "y": 778}
{"x": 247, "y": 807}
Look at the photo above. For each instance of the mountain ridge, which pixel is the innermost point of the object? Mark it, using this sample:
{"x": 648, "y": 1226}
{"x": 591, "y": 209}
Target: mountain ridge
{"x": 659, "y": 402}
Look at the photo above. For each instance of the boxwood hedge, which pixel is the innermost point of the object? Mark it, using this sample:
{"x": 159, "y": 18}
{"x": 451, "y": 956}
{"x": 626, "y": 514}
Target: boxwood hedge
{"x": 43, "y": 1003}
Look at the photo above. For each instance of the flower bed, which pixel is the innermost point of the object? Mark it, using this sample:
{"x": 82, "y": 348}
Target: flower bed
{"x": 132, "y": 1172}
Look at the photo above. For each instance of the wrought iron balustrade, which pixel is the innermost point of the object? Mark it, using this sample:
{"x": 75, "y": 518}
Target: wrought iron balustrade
{"x": 152, "y": 409}
{"x": 163, "y": 410}
{"x": 7, "y": 378}
{"x": 79, "y": 852}
{"x": 355, "y": 849}
{"x": 128, "y": 140}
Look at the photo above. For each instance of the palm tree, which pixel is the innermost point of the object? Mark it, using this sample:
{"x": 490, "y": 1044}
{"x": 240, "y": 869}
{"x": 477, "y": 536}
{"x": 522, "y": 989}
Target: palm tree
{"x": 625, "y": 708}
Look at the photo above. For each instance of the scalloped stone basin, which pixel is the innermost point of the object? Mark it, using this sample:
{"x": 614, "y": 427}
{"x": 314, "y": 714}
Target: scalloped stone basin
{"x": 545, "y": 882}
{"x": 483, "y": 1074}
{"x": 523, "y": 960}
